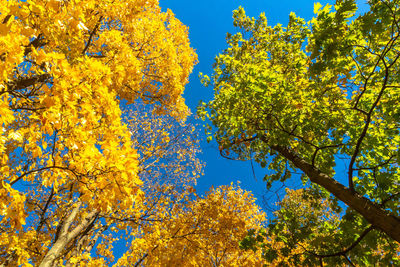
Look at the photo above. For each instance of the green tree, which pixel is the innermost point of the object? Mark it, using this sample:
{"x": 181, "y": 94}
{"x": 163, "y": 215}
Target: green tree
{"x": 298, "y": 98}
{"x": 309, "y": 229}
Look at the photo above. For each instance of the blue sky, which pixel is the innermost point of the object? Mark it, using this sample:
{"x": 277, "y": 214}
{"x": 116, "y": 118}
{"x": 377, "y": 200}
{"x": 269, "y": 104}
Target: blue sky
{"x": 208, "y": 22}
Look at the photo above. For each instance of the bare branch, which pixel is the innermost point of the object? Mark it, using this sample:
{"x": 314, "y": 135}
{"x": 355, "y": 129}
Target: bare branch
{"x": 42, "y": 215}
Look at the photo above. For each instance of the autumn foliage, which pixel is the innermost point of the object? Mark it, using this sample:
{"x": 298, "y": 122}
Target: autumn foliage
{"x": 68, "y": 161}
{"x": 201, "y": 231}
{"x": 95, "y": 150}
{"x": 99, "y": 157}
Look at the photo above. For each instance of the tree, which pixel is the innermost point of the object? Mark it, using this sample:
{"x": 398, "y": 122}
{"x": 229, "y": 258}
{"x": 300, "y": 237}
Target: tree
{"x": 308, "y": 96}
{"x": 200, "y": 231}
{"x": 308, "y": 230}
{"x": 168, "y": 168}
{"x": 168, "y": 149}
{"x": 70, "y": 172}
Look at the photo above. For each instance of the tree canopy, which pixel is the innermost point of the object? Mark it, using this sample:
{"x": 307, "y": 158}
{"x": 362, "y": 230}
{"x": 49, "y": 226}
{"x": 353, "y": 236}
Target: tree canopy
{"x": 318, "y": 97}
{"x": 70, "y": 166}
{"x": 309, "y": 229}
{"x": 201, "y": 231}
{"x": 98, "y": 160}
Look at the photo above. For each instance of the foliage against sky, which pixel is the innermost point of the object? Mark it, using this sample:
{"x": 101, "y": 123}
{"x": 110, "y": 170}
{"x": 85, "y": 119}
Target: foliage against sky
{"x": 95, "y": 151}
{"x": 296, "y": 98}
{"x": 201, "y": 231}
{"x": 69, "y": 164}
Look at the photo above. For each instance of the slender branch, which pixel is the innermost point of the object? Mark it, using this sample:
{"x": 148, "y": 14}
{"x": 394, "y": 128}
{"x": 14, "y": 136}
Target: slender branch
{"x": 142, "y": 259}
{"x": 348, "y": 249}
{"x": 26, "y": 82}
{"x": 36, "y": 43}
{"x": 377, "y": 166}
{"x": 42, "y": 215}
{"x": 369, "y": 115}
{"x": 6, "y": 19}
{"x": 42, "y": 169}
{"x": 17, "y": 108}
{"x": 389, "y": 198}
{"x": 320, "y": 148}
{"x": 348, "y": 260}
{"x": 321, "y": 262}
{"x": 393, "y": 15}
{"x": 292, "y": 134}
{"x": 92, "y": 33}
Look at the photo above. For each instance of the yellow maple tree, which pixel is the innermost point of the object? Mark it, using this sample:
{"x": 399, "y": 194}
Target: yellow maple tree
{"x": 67, "y": 159}
{"x": 199, "y": 231}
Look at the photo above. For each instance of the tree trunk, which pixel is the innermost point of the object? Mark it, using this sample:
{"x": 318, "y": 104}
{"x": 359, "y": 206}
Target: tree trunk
{"x": 374, "y": 214}
{"x": 66, "y": 235}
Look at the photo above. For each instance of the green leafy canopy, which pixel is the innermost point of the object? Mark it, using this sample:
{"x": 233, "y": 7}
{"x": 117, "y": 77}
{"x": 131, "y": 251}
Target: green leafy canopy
{"x": 301, "y": 96}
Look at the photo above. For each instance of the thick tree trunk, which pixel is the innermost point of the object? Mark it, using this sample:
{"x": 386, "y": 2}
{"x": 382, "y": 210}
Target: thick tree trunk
{"x": 66, "y": 235}
{"x": 86, "y": 244}
{"x": 374, "y": 214}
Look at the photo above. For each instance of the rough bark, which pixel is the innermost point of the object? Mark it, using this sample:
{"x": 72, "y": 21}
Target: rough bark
{"x": 377, "y": 216}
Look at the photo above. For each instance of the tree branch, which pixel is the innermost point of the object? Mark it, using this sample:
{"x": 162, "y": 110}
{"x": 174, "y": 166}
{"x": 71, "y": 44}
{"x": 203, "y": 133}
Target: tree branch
{"x": 348, "y": 249}
{"x": 42, "y": 215}
{"x": 36, "y": 43}
{"x": 26, "y": 82}
{"x": 374, "y": 214}
{"x": 92, "y": 33}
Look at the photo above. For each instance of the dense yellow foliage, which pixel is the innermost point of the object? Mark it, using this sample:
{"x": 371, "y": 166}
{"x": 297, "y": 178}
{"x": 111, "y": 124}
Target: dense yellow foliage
{"x": 66, "y": 157}
{"x": 205, "y": 231}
